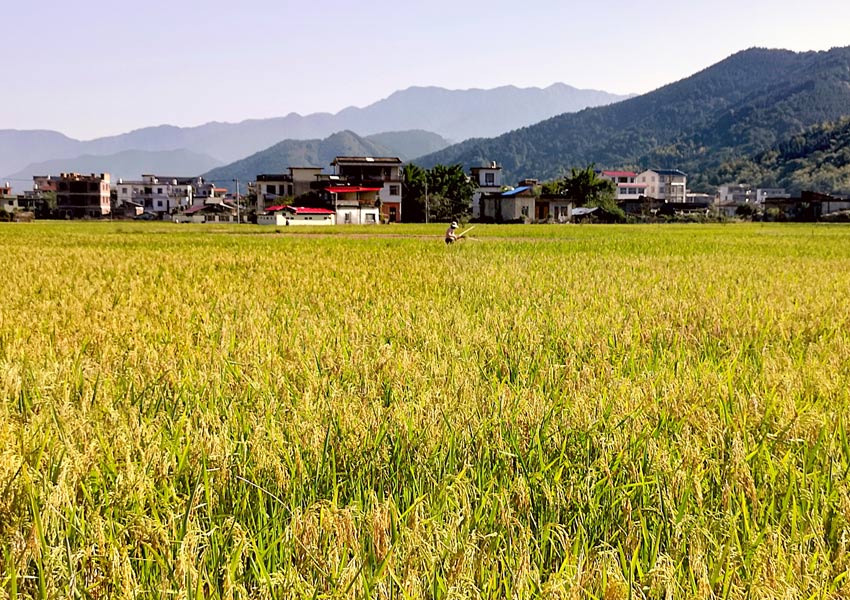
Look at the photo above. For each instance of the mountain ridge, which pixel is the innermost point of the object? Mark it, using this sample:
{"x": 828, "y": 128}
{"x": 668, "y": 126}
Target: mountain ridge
{"x": 738, "y": 106}
{"x": 452, "y": 114}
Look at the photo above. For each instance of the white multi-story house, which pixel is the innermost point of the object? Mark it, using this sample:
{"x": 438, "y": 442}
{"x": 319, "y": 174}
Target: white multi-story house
{"x": 373, "y": 172}
{"x": 488, "y": 181}
{"x": 157, "y": 194}
{"x": 763, "y": 194}
{"x": 736, "y": 194}
{"x": 627, "y": 186}
{"x": 668, "y": 185}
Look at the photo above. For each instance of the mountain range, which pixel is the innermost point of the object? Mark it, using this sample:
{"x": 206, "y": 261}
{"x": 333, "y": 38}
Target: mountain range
{"x": 739, "y": 107}
{"x": 452, "y": 114}
{"x": 129, "y": 164}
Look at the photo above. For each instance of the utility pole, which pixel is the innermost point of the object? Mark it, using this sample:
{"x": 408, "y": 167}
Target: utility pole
{"x": 238, "y": 213}
{"x": 427, "y": 209}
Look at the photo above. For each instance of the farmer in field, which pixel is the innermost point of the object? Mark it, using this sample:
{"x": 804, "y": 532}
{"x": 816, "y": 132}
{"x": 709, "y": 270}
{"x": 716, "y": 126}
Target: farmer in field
{"x": 451, "y": 236}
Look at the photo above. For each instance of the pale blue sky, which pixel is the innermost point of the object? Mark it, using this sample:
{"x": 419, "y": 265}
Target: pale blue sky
{"x": 95, "y": 67}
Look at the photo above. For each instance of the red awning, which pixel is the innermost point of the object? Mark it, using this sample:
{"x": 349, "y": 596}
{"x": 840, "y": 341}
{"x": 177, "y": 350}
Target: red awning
{"x": 351, "y": 189}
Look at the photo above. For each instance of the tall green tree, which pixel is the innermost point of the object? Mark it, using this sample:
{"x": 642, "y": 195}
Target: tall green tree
{"x": 449, "y": 193}
{"x": 587, "y": 188}
{"x": 413, "y": 193}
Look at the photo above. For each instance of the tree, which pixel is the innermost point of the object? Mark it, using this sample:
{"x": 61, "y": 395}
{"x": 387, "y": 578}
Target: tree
{"x": 449, "y": 192}
{"x": 587, "y": 188}
{"x": 455, "y": 189}
{"x": 413, "y": 193}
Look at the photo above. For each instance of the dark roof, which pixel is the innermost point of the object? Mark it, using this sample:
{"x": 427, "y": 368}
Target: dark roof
{"x": 208, "y": 207}
{"x": 274, "y": 177}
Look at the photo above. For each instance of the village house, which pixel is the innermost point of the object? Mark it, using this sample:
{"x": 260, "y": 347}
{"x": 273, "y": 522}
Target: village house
{"x": 626, "y": 182}
{"x": 272, "y": 188}
{"x": 736, "y": 194}
{"x": 156, "y": 194}
{"x": 808, "y": 206}
{"x": 667, "y": 185}
{"x": 45, "y": 183}
{"x": 79, "y": 196}
{"x": 213, "y": 212}
{"x": 763, "y": 193}
{"x": 296, "y": 215}
{"x": 353, "y": 204}
{"x": 554, "y": 207}
{"x": 366, "y": 172}
{"x": 488, "y": 180}
{"x": 511, "y": 206}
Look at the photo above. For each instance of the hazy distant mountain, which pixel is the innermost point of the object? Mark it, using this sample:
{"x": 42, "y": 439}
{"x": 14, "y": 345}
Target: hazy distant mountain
{"x": 296, "y": 153}
{"x": 408, "y": 145}
{"x": 738, "y": 107}
{"x": 131, "y": 164}
{"x": 462, "y": 114}
{"x": 453, "y": 114}
{"x": 21, "y": 148}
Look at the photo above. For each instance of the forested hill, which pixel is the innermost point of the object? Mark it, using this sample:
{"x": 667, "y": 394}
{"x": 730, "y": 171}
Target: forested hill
{"x": 818, "y": 159}
{"x": 296, "y": 153}
{"x": 738, "y": 107}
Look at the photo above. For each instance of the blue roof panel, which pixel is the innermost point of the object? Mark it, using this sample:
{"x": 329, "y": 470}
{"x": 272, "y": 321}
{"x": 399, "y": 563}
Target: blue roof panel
{"x": 516, "y": 191}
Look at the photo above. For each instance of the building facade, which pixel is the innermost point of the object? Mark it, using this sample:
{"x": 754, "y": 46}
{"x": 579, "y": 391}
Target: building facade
{"x": 157, "y": 194}
{"x": 667, "y": 185}
{"x": 488, "y": 180}
{"x": 275, "y": 188}
{"x": 383, "y": 173}
{"x": 627, "y": 186}
{"x": 79, "y": 196}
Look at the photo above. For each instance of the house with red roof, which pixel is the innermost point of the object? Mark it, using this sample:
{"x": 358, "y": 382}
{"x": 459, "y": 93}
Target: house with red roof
{"x": 627, "y": 186}
{"x": 296, "y": 215}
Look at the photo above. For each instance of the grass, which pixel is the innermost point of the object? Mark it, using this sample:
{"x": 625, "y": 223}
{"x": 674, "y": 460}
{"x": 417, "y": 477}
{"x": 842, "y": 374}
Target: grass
{"x": 548, "y": 411}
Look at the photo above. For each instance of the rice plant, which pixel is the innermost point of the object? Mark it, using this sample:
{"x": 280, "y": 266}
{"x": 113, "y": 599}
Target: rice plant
{"x": 540, "y": 412}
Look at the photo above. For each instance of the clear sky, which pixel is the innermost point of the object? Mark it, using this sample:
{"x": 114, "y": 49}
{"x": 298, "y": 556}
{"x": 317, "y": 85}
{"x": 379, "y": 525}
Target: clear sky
{"x": 96, "y": 67}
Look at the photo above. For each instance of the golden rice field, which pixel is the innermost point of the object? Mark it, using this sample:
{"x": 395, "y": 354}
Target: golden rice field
{"x": 539, "y": 412}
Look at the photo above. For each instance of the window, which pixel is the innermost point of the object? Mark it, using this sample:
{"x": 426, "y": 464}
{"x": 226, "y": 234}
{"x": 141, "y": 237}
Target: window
{"x": 159, "y": 190}
{"x": 271, "y": 189}
{"x": 489, "y": 179}
{"x": 123, "y": 190}
{"x": 393, "y": 190}
{"x": 370, "y": 218}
